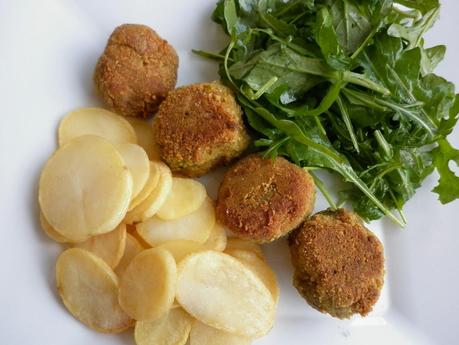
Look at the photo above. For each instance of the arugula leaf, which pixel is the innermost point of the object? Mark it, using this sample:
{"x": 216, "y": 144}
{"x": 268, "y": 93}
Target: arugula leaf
{"x": 347, "y": 86}
{"x": 448, "y": 184}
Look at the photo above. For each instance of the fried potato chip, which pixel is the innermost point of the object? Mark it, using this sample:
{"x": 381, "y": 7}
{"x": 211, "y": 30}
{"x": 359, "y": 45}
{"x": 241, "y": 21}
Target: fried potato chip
{"x": 185, "y": 197}
{"x": 202, "y": 334}
{"x": 237, "y": 243}
{"x": 145, "y": 137}
{"x": 156, "y": 199}
{"x": 194, "y": 227}
{"x": 170, "y": 329}
{"x": 85, "y": 188}
{"x": 95, "y": 121}
{"x": 260, "y": 268}
{"x": 50, "y": 232}
{"x": 181, "y": 248}
{"x": 221, "y": 292}
{"x": 217, "y": 238}
{"x": 137, "y": 162}
{"x": 147, "y": 286}
{"x": 132, "y": 248}
{"x": 89, "y": 289}
{"x": 109, "y": 246}
{"x": 150, "y": 184}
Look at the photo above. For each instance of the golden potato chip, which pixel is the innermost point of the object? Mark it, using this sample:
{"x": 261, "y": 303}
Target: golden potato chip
{"x": 217, "y": 238}
{"x": 85, "y": 188}
{"x": 50, "y": 232}
{"x": 194, "y": 227}
{"x": 150, "y": 184}
{"x": 137, "y": 162}
{"x": 237, "y": 243}
{"x": 153, "y": 202}
{"x": 181, "y": 248}
{"x": 145, "y": 137}
{"x": 89, "y": 289}
{"x": 202, "y": 334}
{"x": 147, "y": 286}
{"x": 221, "y": 292}
{"x": 133, "y": 247}
{"x": 185, "y": 197}
{"x": 260, "y": 268}
{"x": 95, "y": 121}
{"x": 170, "y": 329}
{"x": 109, "y": 246}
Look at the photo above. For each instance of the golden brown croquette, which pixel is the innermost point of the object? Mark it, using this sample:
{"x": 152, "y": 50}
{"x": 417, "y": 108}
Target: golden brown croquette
{"x": 339, "y": 264}
{"x": 136, "y": 70}
{"x": 263, "y": 199}
{"x": 198, "y": 127}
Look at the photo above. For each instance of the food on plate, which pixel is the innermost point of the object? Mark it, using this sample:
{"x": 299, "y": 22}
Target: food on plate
{"x": 145, "y": 138}
{"x": 339, "y": 264}
{"x": 153, "y": 202}
{"x": 136, "y": 70}
{"x": 233, "y": 243}
{"x": 202, "y": 334}
{"x": 185, "y": 197}
{"x": 50, "y": 232}
{"x": 198, "y": 127}
{"x": 138, "y": 164}
{"x": 259, "y": 267}
{"x": 89, "y": 289}
{"x": 171, "y": 329}
{"x": 348, "y": 87}
{"x": 95, "y": 121}
{"x": 263, "y": 199}
{"x": 131, "y": 249}
{"x": 195, "y": 226}
{"x": 220, "y": 291}
{"x": 73, "y": 182}
{"x": 109, "y": 246}
{"x": 147, "y": 286}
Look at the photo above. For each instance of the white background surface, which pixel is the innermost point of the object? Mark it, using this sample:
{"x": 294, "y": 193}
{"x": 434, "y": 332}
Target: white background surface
{"x": 48, "y": 51}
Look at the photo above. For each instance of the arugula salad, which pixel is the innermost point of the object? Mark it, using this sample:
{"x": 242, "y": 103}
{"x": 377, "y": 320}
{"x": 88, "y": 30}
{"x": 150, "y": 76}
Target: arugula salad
{"x": 347, "y": 86}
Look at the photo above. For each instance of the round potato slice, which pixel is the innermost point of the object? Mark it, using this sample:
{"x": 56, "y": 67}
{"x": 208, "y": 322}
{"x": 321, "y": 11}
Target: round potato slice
{"x": 181, "y": 248}
{"x": 109, "y": 246}
{"x": 89, "y": 289}
{"x": 137, "y": 162}
{"x": 171, "y": 329}
{"x": 185, "y": 197}
{"x": 155, "y": 200}
{"x": 202, "y": 334}
{"x": 194, "y": 227}
{"x": 85, "y": 188}
{"x": 95, "y": 121}
{"x": 132, "y": 248}
{"x": 237, "y": 243}
{"x": 147, "y": 286}
{"x": 145, "y": 137}
{"x": 50, "y": 232}
{"x": 221, "y": 292}
{"x": 260, "y": 268}
{"x": 150, "y": 184}
{"x": 217, "y": 238}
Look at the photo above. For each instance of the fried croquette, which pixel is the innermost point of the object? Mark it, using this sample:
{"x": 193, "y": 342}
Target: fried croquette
{"x": 263, "y": 199}
{"x": 339, "y": 264}
{"x": 198, "y": 127}
{"x": 136, "y": 70}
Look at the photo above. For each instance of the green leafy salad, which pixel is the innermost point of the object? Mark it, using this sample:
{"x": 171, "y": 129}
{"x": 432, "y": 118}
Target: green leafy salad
{"x": 347, "y": 86}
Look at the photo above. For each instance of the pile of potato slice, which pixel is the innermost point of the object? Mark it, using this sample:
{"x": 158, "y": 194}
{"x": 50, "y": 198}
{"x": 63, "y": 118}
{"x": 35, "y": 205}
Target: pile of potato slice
{"x": 144, "y": 248}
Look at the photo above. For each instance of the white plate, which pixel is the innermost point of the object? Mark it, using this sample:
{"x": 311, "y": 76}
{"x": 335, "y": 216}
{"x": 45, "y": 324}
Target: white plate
{"x": 48, "y": 51}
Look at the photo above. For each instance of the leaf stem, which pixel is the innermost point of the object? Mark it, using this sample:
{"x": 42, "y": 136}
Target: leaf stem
{"x": 323, "y": 189}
